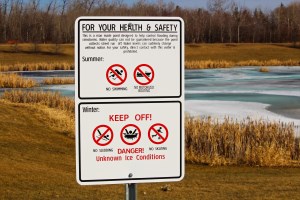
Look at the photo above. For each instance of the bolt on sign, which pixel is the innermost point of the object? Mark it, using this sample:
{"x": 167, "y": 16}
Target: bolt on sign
{"x": 129, "y": 96}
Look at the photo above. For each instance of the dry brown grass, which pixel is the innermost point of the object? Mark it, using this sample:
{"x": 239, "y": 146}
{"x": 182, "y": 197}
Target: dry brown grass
{"x": 58, "y": 81}
{"x": 241, "y": 143}
{"x": 211, "y": 64}
{"x": 252, "y": 143}
{"x": 49, "y": 99}
{"x": 38, "y": 162}
{"x": 264, "y": 69}
{"x": 208, "y": 64}
{"x": 28, "y": 53}
{"x": 202, "y": 56}
{"x": 251, "y": 54}
{"x": 37, "y": 66}
{"x": 12, "y": 80}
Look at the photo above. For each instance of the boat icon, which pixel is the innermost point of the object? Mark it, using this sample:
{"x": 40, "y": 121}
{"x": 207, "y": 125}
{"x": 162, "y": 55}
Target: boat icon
{"x": 138, "y": 74}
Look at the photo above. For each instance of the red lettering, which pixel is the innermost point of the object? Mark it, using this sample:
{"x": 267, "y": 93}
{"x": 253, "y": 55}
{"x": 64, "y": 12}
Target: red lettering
{"x": 111, "y": 118}
{"x": 143, "y": 117}
{"x": 118, "y": 118}
{"x": 130, "y": 150}
{"x": 128, "y": 157}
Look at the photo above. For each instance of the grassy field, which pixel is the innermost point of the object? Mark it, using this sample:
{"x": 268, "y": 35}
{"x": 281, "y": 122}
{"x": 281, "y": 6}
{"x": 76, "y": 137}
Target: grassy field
{"x": 241, "y": 52}
{"x": 45, "y": 53}
{"x": 38, "y": 162}
{"x": 196, "y": 55}
{"x": 231, "y": 55}
{"x": 251, "y": 143}
{"x": 37, "y": 146}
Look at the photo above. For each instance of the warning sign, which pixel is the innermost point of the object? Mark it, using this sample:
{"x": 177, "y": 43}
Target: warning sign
{"x": 102, "y": 135}
{"x": 144, "y": 140}
{"x": 130, "y": 134}
{"x": 117, "y": 58}
{"x": 116, "y": 74}
{"x": 158, "y": 133}
{"x": 143, "y": 74}
{"x": 129, "y": 97}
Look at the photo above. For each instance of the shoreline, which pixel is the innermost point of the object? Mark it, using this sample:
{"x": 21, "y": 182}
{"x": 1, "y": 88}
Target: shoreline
{"x": 201, "y": 67}
{"x": 236, "y": 110}
{"x": 220, "y": 64}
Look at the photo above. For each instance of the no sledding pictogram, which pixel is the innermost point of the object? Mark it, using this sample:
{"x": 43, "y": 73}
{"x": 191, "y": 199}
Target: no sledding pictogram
{"x": 158, "y": 133}
{"x": 143, "y": 74}
{"x": 130, "y": 134}
{"x": 116, "y": 74}
{"x": 103, "y": 135}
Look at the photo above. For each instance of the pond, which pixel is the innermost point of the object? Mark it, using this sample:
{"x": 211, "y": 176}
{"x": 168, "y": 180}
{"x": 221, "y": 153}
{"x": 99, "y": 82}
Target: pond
{"x": 66, "y": 90}
{"x": 237, "y": 93}
{"x": 241, "y": 92}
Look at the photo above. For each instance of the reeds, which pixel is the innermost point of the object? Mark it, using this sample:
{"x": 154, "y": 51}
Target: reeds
{"x": 37, "y": 66}
{"x": 13, "y": 80}
{"x": 207, "y": 141}
{"x": 254, "y": 143}
{"x": 58, "y": 81}
{"x": 264, "y": 69}
{"x": 208, "y": 64}
{"x": 49, "y": 99}
{"x": 211, "y": 64}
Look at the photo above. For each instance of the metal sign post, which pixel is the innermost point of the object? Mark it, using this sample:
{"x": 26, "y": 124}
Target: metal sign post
{"x": 131, "y": 191}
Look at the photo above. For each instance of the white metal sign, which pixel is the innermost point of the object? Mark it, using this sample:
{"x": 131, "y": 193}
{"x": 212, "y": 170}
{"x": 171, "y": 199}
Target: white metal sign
{"x": 135, "y": 58}
{"x": 129, "y": 100}
{"x": 130, "y": 141}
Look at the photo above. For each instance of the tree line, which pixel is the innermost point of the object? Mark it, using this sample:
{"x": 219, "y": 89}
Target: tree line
{"x": 224, "y": 21}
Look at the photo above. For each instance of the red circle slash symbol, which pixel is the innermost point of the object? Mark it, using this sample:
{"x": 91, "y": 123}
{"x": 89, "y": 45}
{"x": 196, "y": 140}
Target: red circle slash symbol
{"x": 130, "y": 134}
{"x": 116, "y": 74}
{"x": 143, "y": 74}
{"x": 158, "y": 133}
{"x": 103, "y": 135}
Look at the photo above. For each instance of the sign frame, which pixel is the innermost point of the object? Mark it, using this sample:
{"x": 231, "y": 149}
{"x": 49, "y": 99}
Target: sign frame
{"x": 94, "y": 99}
{"x": 132, "y": 180}
{"x": 160, "y": 19}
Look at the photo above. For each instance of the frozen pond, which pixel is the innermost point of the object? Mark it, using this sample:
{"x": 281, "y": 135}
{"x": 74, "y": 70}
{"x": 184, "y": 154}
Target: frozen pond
{"x": 66, "y": 90}
{"x": 241, "y": 92}
{"x": 237, "y": 93}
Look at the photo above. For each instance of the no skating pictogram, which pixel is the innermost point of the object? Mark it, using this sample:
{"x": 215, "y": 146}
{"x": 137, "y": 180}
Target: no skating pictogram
{"x": 158, "y": 133}
{"x": 130, "y": 134}
{"x": 116, "y": 74}
{"x": 103, "y": 135}
{"x": 143, "y": 74}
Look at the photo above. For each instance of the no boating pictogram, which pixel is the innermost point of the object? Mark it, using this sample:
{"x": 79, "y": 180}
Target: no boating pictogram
{"x": 116, "y": 74}
{"x": 158, "y": 133}
{"x": 130, "y": 134}
{"x": 143, "y": 74}
{"x": 103, "y": 135}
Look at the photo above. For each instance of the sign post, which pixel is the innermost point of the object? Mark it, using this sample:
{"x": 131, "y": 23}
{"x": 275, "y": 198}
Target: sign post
{"x": 131, "y": 191}
{"x": 129, "y": 96}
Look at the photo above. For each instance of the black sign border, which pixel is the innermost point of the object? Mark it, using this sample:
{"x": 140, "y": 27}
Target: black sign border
{"x": 134, "y": 97}
{"x": 129, "y": 179}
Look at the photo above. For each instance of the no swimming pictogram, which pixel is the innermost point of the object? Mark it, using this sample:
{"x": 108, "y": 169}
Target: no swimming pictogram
{"x": 116, "y": 74}
{"x": 130, "y": 134}
{"x": 103, "y": 135}
{"x": 158, "y": 133}
{"x": 143, "y": 74}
